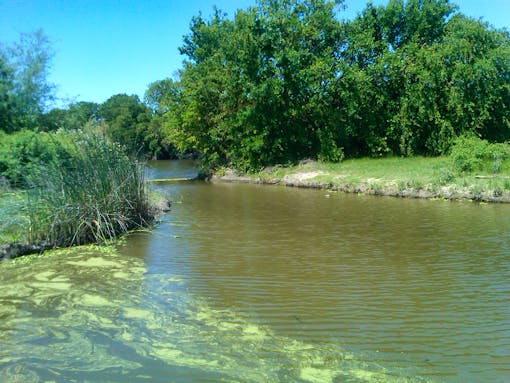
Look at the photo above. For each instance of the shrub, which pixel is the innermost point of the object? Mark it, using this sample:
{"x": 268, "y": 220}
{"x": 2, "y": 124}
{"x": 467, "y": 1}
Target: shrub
{"x": 470, "y": 153}
{"x": 21, "y": 151}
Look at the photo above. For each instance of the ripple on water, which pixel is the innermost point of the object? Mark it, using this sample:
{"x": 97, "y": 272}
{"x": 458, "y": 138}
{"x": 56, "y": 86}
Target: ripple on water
{"x": 259, "y": 313}
{"x": 114, "y": 328}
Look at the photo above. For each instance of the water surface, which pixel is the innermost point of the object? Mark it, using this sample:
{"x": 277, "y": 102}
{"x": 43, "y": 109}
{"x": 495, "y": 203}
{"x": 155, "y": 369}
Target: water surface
{"x": 248, "y": 283}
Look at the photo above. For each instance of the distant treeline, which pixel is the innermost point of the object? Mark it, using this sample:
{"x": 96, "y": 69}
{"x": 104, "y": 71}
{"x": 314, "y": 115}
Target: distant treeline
{"x": 26, "y": 97}
{"x": 289, "y": 79}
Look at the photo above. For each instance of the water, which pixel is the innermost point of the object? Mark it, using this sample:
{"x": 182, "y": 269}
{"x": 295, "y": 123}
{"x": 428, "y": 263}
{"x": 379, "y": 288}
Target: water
{"x": 246, "y": 283}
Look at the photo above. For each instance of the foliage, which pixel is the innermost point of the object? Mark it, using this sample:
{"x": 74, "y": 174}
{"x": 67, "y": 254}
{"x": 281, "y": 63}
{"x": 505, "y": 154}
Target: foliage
{"x": 6, "y": 93}
{"x": 24, "y": 152}
{"x": 91, "y": 194}
{"x": 126, "y": 121}
{"x": 75, "y": 116}
{"x": 286, "y": 80}
{"x": 24, "y": 89}
{"x": 165, "y": 138}
{"x": 470, "y": 153}
{"x": 254, "y": 87}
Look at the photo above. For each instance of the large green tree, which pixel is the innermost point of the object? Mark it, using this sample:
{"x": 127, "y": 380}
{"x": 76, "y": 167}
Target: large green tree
{"x": 426, "y": 75}
{"x": 127, "y": 120}
{"x": 254, "y": 87}
{"x": 285, "y": 80}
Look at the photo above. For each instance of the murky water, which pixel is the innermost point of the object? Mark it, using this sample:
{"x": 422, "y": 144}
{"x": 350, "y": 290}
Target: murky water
{"x": 246, "y": 283}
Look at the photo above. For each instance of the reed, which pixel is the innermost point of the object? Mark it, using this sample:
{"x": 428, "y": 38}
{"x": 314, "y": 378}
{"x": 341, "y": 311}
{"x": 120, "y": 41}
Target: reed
{"x": 93, "y": 193}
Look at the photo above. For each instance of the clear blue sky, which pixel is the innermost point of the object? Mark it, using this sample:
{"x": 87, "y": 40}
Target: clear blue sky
{"x": 105, "y": 47}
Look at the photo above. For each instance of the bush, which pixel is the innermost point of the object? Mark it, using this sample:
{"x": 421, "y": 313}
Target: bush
{"x": 470, "y": 153}
{"x": 22, "y": 152}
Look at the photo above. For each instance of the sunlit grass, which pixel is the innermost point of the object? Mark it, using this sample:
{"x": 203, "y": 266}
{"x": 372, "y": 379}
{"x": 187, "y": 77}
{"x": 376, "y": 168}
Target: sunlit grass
{"x": 402, "y": 176}
{"x": 388, "y": 169}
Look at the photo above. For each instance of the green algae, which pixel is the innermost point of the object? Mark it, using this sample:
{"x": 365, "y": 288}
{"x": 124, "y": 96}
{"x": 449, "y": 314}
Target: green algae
{"x": 52, "y": 285}
{"x": 44, "y": 276}
{"x": 89, "y": 311}
{"x": 94, "y": 262}
{"x": 130, "y": 312}
{"x": 317, "y": 375}
{"x": 93, "y": 300}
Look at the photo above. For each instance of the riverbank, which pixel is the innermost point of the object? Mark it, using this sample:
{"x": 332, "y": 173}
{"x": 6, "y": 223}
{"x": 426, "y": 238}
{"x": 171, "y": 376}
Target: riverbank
{"x": 415, "y": 177}
{"x": 14, "y": 227}
{"x": 77, "y": 188}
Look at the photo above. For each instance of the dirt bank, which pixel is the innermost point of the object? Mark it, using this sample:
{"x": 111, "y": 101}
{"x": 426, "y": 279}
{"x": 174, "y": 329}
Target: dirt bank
{"x": 371, "y": 186}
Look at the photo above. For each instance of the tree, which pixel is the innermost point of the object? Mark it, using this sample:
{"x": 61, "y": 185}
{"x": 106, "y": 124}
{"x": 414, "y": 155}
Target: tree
{"x": 285, "y": 80}
{"x": 75, "y": 116}
{"x": 30, "y": 58}
{"x": 6, "y": 95}
{"x": 255, "y": 87}
{"x": 425, "y": 76}
{"x": 24, "y": 90}
{"x": 161, "y": 94}
{"x": 165, "y": 138}
{"x": 127, "y": 121}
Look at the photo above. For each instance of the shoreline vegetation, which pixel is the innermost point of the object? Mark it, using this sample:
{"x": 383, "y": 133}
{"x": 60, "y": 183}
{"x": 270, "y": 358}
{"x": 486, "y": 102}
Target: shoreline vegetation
{"x": 14, "y": 243}
{"x": 311, "y": 176}
{"x": 475, "y": 170}
{"x": 79, "y": 189}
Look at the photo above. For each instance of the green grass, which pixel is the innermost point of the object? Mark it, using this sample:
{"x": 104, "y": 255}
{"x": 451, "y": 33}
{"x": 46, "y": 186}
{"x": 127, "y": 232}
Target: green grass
{"x": 430, "y": 176}
{"x": 90, "y": 193}
{"x": 91, "y": 196}
{"x": 14, "y": 220}
{"x": 395, "y": 169}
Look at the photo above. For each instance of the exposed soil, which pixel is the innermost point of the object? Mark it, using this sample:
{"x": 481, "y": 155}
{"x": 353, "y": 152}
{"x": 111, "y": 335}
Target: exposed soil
{"x": 371, "y": 186}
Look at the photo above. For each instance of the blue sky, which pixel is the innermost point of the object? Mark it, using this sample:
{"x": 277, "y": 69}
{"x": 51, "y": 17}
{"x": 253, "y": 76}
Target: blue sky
{"x": 105, "y": 47}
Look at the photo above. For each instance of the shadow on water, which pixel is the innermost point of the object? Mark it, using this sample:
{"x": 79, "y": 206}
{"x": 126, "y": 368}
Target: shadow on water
{"x": 245, "y": 283}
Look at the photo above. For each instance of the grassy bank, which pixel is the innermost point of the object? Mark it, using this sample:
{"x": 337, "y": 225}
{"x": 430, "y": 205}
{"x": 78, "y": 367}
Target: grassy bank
{"x": 87, "y": 191}
{"x": 475, "y": 170}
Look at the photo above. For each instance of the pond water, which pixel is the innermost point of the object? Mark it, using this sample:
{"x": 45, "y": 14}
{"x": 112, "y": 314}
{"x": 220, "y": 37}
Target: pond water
{"x": 250, "y": 283}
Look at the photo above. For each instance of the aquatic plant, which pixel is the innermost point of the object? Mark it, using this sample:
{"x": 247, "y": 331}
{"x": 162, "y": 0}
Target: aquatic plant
{"x": 91, "y": 194}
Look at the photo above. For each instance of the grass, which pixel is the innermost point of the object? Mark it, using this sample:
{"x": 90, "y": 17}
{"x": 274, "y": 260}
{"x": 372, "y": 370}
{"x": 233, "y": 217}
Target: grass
{"x": 411, "y": 176}
{"x": 392, "y": 169}
{"x": 14, "y": 221}
{"x": 91, "y": 193}
{"x": 91, "y": 196}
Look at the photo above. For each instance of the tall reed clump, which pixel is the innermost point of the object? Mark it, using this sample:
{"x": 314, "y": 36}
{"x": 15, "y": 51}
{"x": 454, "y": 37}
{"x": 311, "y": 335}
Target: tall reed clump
{"x": 91, "y": 192}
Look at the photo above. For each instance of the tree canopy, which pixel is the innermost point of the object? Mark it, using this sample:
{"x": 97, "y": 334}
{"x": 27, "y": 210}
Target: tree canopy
{"x": 24, "y": 89}
{"x": 289, "y": 79}
{"x": 285, "y": 80}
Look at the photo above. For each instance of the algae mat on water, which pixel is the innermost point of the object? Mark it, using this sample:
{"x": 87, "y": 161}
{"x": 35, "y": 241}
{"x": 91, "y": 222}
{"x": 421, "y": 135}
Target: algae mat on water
{"x": 90, "y": 315}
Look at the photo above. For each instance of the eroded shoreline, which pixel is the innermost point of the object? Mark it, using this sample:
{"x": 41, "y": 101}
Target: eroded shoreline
{"x": 370, "y": 186}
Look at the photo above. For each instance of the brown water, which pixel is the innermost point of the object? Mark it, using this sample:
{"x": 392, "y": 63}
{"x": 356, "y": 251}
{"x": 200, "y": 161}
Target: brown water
{"x": 247, "y": 283}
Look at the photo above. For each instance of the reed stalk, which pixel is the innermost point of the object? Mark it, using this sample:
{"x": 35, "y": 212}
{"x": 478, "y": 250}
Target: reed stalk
{"x": 92, "y": 194}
